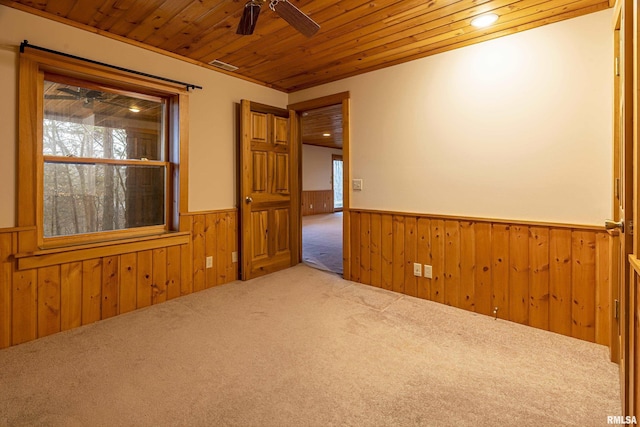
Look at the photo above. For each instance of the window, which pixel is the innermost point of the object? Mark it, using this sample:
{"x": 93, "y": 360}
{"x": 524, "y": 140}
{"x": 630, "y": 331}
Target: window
{"x": 106, "y": 149}
{"x": 104, "y": 159}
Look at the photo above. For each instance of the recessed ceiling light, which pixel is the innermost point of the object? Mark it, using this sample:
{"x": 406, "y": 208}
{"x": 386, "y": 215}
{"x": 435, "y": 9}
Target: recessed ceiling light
{"x": 326, "y": 134}
{"x": 483, "y": 21}
{"x": 134, "y": 109}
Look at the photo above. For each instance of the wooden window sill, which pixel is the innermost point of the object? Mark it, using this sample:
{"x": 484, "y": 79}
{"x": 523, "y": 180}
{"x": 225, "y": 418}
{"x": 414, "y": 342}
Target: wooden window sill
{"x": 66, "y": 254}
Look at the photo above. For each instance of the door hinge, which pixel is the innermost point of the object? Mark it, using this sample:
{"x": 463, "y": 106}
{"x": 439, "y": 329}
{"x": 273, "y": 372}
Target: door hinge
{"x": 617, "y": 66}
{"x": 616, "y": 309}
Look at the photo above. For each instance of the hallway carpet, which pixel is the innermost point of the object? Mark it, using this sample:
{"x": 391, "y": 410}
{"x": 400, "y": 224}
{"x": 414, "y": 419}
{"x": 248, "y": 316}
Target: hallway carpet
{"x": 322, "y": 241}
{"x": 303, "y": 347}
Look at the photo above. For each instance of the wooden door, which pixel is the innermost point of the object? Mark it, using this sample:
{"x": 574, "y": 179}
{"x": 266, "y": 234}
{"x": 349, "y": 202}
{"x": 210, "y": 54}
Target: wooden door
{"x": 269, "y": 192}
{"x": 623, "y": 295}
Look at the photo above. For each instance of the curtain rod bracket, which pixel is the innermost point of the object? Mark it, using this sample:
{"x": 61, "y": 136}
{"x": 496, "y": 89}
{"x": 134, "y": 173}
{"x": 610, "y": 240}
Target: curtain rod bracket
{"x": 188, "y": 86}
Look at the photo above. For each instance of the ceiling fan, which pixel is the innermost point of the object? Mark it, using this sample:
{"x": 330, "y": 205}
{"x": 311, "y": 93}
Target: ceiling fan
{"x": 286, "y": 10}
{"x": 87, "y": 95}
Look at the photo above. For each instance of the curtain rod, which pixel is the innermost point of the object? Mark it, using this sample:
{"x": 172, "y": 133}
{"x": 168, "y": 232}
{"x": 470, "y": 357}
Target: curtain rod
{"x": 25, "y": 43}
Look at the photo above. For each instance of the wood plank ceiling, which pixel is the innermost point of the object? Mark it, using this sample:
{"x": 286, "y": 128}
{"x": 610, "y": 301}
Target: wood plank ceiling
{"x": 323, "y": 127}
{"x": 355, "y": 37}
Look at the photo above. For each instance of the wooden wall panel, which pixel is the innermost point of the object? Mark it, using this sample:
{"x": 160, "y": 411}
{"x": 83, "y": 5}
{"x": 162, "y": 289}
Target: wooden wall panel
{"x": 410, "y": 256}
{"x": 48, "y": 300}
{"x": 452, "y": 263}
{"x": 603, "y": 290}
{"x": 38, "y": 302}
{"x": 519, "y": 274}
{"x": 71, "y": 295}
{"x": 199, "y": 252}
{"x": 317, "y": 202}
{"x": 552, "y": 277}
{"x": 560, "y": 281}
{"x": 222, "y": 252}
{"x": 91, "y": 290}
{"x": 355, "y": 247}
{"x": 24, "y": 307}
{"x": 386, "y": 251}
{"x": 159, "y": 282}
{"x": 467, "y": 265}
{"x": 437, "y": 258}
{"x": 375, "y": 243}
{"x": 365, "y": 248}
{"x": 173, "y": 272}
{"x": 144, "y": 279}
{"x": 110, "y": 286}
{"x": 398, "y": 254}
{"x": 423, "y": 254}
{"x": 539, "y": 277}
{"x": 128, "y": 282}
{"x": 6, "y": 273}
{"x": 483, "y": 288}
{"x": 500, "y": 237}
{"x": 583, "y": 285}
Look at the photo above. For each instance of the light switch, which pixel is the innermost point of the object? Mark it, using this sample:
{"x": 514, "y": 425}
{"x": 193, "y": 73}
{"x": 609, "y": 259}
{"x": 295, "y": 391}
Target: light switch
{"x": 356, "y": 184}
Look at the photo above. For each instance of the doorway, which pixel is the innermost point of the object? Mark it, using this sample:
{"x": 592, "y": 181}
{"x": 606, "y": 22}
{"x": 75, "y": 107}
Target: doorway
{"x": 324, "y": 171}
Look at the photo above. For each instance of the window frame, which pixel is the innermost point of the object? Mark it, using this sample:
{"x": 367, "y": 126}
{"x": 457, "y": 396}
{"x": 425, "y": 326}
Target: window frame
{"x": 33, "y": 68}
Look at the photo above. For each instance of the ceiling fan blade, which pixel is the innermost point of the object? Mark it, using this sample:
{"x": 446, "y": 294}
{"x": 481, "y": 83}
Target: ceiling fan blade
{"x": 60, "y": 97}
{"x": 295, "y": 17}
{"x": 70, "y": 92}
{"x": 249, "y": 18}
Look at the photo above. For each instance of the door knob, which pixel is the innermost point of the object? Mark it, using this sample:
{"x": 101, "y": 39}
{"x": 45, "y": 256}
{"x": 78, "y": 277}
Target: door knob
{"x": 248, "y": 200}
{"x": 612, "y": 225}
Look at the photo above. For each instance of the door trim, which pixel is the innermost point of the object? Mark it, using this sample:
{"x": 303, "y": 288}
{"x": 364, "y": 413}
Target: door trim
{"x": 326, "y": 101}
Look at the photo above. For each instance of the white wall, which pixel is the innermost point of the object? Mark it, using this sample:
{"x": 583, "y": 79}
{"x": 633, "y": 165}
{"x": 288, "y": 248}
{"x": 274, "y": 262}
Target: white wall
{"x": 317, "y": 166}
{"x": 212, "y": 160}
{"x": 515, "y": 128}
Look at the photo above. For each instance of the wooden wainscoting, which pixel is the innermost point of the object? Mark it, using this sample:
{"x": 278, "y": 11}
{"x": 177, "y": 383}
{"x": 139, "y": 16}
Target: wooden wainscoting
{"x": 549, "y": 276}
{"x": 36, "y": 302}
{"x": 317, "y": 202}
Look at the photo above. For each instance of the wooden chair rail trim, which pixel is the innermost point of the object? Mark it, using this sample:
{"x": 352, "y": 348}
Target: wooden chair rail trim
{"x": 491, "y": 220}
{"x": 16, "y": 229}
{"x": 217, "y": 211}
{"x": 62, "y": 255}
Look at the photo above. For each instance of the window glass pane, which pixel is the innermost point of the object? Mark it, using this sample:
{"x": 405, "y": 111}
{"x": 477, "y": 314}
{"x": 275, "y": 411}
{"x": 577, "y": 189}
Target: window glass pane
{"x": 85, "y": 198}
{"x": 82, "y": 122}
{"x": 337, "y": 184}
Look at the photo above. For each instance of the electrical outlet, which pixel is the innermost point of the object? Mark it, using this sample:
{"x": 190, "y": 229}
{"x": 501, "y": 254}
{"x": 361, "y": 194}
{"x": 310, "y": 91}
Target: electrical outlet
{"x": 234, "y": 256}
{"x": 428, "y": 271}
{"x": 417, "y": 269}
{"x": 209, "y": 261}
{"x": 310, "y": 206}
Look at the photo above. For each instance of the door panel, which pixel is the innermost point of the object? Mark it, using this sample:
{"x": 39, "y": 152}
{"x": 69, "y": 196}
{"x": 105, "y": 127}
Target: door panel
{"x": 282, "y": 239}
{"x": 259, "y": 238}
{"x": 282, "y": 173}
{"x": 267, "y": 164}
{"x": 623, "y": 292}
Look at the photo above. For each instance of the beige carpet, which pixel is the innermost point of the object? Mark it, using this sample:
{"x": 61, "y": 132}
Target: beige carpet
{"x": 322, "y": 241}
{"x": 303, "y": 347}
